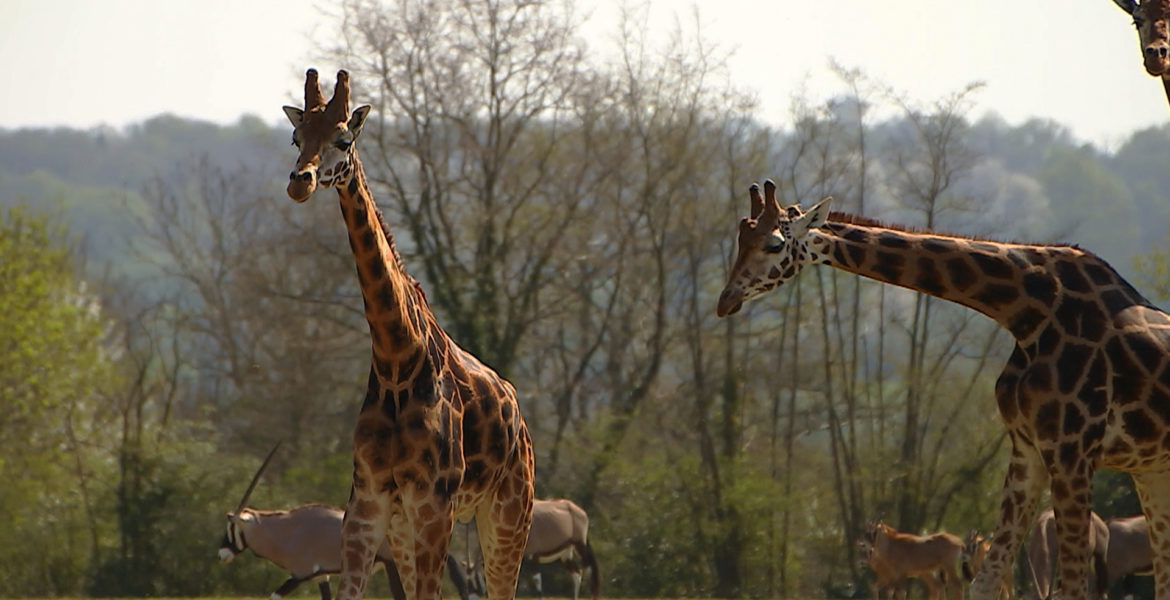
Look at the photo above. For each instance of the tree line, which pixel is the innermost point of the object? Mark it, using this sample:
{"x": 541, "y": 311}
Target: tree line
{"x": 571, "y": 219}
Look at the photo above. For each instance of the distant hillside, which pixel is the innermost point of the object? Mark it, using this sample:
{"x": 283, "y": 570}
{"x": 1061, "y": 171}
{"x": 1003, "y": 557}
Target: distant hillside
{"x": 1044, "y": 183}
{"x": 94, "y": 178}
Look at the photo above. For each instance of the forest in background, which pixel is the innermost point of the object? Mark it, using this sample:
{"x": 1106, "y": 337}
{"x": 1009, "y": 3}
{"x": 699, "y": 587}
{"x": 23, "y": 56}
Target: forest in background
{"x": 168, "y": 314}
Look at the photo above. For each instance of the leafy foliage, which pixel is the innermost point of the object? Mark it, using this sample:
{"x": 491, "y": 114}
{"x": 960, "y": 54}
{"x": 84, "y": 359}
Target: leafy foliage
{"x": 54, "y": 366}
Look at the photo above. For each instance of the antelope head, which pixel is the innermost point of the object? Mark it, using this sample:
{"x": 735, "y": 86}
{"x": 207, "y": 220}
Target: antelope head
{"x": 974, "y": 551}
{"x": 233, "y": 541}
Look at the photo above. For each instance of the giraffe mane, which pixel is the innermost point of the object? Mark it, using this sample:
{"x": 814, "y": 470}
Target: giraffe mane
{"x": 853, "y": 219}
{"x": 360, "y": 173}
{"x": 394, "y": 249}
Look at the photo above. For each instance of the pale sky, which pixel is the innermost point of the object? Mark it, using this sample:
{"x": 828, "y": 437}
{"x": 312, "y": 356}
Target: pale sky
{"x": 81, "y": 63}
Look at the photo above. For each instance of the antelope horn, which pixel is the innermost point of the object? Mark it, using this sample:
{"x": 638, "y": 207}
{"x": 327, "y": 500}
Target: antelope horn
{"x": 256, "y": 478}
{"x": 757, "y": 200}
{"x": 338, "y": 108}
{"x": 313, "y": 95}
{"x": 770, "y": 202}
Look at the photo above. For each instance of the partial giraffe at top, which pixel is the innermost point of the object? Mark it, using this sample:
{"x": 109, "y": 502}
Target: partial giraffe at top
{"x": 1087, "y": 384}
{"x": 1152, "y": 20}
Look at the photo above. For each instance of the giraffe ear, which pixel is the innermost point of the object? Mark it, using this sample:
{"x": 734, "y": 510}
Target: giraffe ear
{"x": 1127, "y": 5}
{"x": 294, "y": 114}
{"x": 814, "y": 218}
{"x": 357, "y": 119}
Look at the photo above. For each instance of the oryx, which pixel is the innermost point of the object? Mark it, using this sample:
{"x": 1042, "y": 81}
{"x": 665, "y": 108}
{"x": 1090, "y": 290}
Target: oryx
{"x": 1129, "y": 550}
{"x": 560, "y": 532}
{"x": 1042, "y": 553}
{"x": 306, "y": 541}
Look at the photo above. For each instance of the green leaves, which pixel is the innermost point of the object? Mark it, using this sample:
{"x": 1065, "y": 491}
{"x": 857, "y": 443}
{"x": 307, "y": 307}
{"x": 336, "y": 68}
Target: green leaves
{"x": 52, "y": 369}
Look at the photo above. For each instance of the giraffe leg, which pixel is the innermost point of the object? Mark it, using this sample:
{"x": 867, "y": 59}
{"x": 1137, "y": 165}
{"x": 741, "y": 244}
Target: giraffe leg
{"x": 400, "y": 538}
{"x": 1154, "y": 492}
{"x": 393, "y": 580}
{"x": 1023, "y": 485}
{"x": 362, "y": 533}
{"x": 1071, "y": 500}
{"x": 419, "y": 537}
{"x": 503, "y": 524}
{"x": 431, "y": 543}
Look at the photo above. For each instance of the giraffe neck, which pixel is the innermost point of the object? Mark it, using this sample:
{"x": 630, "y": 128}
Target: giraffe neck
{"x": 395, "y": 308}
{"x": 1022, "y": 287}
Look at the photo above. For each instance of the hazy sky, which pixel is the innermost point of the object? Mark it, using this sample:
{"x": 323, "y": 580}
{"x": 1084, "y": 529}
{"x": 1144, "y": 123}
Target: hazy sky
{"x": 83, "y": 62}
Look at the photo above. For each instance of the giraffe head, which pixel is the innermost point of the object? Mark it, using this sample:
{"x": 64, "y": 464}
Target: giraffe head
{"x": 325, "y": 135}
{"x": 1152, "y": 19}
{"x": 773, "y": 247}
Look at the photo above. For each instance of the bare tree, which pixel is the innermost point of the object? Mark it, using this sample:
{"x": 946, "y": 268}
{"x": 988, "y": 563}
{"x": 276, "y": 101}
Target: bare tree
{"x": 262, "y": 303}
{"x": 476, "y": 152}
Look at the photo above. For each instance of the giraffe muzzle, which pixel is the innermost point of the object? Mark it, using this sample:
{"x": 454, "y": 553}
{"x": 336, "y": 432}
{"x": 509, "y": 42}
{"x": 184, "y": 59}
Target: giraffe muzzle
{"x": 730, "y": 301}
{"x": 301, "y": 184}
{"x": 1156, "y": 58}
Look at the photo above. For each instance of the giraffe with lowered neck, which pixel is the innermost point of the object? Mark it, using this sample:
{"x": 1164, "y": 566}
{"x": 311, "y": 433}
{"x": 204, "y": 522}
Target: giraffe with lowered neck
{"x": 439, "y": 436}
{"x": 1087, "y": 384}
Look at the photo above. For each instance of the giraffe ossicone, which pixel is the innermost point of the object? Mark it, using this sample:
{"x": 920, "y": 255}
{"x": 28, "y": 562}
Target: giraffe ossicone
{"x": 1087, "y": 385}
{"x": 439, "y": 436}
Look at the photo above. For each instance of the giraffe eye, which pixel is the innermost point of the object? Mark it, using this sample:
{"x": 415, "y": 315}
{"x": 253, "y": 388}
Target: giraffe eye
{"x": 343, "y": 144}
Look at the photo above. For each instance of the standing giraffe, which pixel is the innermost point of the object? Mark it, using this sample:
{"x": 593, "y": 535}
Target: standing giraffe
{"x": 439, "y": 436}
{"x": 1087, "y": 385}
{"x": 1152, "y": 19}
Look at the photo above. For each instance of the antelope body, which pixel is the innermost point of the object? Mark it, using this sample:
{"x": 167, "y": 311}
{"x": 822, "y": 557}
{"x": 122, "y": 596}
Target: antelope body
{"x": 560, "y": 532}
{"x": 1129, "y": 549}
{"x": 887, "y": 579}
{"x": 1042, "y": 552}
{"x": 896, "y": 555}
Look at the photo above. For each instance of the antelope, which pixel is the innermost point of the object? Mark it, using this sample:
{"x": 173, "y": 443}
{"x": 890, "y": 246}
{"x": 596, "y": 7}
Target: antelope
{"x": 975, "y": 548}
{"x": 560, "y": 532}
{"x": 897, "y": 555}
{"x": 894, "y": 589}
{"x": 306, "y": 542}
{"x": 1152, "y": 19}
{"x": 1042, "y": 552}
{"x": 1129, "y": 550}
